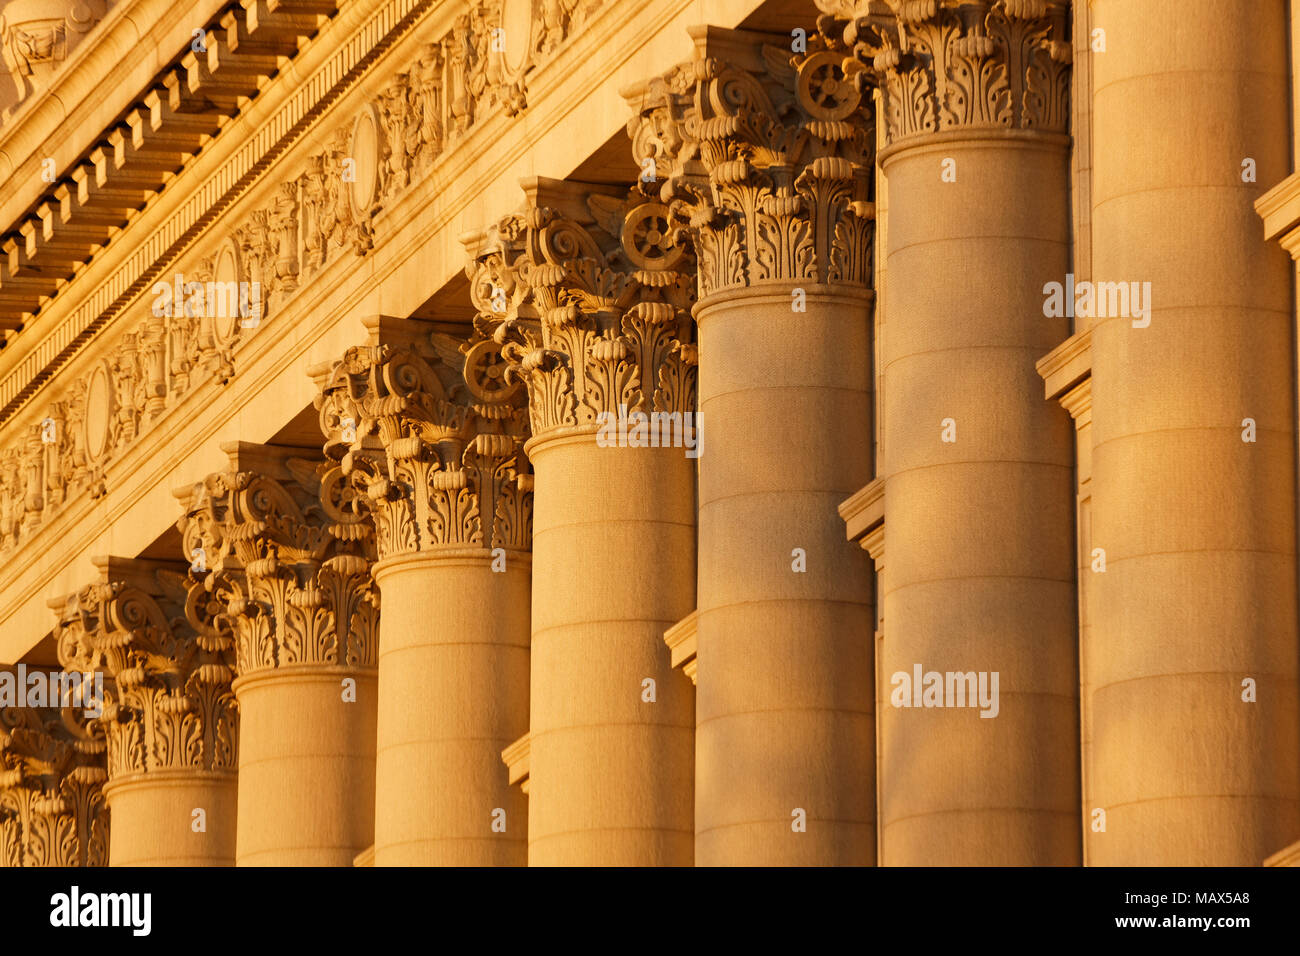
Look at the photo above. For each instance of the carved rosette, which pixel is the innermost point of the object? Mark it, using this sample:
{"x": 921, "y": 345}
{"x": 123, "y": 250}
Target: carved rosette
{"x": 946, "y": 65}
{"x": 282, "y": 566}
{"x": 168, "y": 700}
{"x": 52, "y": 772}
{"x": 591, "y": 303}
{"x": 433, "y": 438}
{"x": 765, "y": 157}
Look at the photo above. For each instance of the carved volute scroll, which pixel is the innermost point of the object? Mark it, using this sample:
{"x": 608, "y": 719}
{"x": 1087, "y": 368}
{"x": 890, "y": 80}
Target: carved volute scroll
{"x": 589, "y": 298}
{"x": 764, "y": 156}
{"x": 168, "y": 701}
{"x": 431, "y": 434}
{"x": 943, "y": 65}
{"x": 280, "y": 563}
{"x": 52, "y": 772}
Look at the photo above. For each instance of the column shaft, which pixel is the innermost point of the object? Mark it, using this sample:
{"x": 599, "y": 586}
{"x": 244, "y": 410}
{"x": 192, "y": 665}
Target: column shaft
{"x": 613, "y": 568}
{"x": 453, "y": 681}
{"x": 784, "y": 715}
{"x": 980, "y": 508}
{"x": 155, "y": 821}
{"x": 306, "y": 765}
{"x": 1198, "y": 600}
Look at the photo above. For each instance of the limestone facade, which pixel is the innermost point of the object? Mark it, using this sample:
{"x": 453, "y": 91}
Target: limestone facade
{"x": 470, "y": 433}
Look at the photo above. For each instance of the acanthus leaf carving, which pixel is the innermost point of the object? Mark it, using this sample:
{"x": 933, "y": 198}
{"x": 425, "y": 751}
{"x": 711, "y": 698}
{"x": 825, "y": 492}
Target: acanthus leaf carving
{"x": 285, "y": 566}
{"x": 454, "y": 82}
{"x": 590, "y": 299}
{"x": 52, "y": 771}
{"x": 434, "y": 441}
{"x": 764, "y": 158}
{"x": 942, "y": 65}
{"x": 168, "y": 703}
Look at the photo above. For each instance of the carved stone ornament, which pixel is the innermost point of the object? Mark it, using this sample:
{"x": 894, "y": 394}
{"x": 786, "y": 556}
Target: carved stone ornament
{"x": 168, "y": 703}
{"x": 589, "y": 298}
{"x": 52, "y": 771}
{"x": 946, "y": 65}
{"x": 431, "y": 434}
{"x": 323, "y": 212}
{"x": 280, "y": 564}
{"x": 765, "y": 158}
{"x": 36, "y": 38}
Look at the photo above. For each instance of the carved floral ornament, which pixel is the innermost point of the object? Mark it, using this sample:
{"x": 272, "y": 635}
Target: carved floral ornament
{"x": 52, "y": 808}
{"x": 589, "y": 300}
{"x": 764, "y": 157}
{"x": 281, "y": 568}
{"x": 168, "y": 701}
{"x": 960, "y": 64}
{"x": 36, "y": 37}
{"x": 432, "y": 437}
{"x": 324, "y": 211}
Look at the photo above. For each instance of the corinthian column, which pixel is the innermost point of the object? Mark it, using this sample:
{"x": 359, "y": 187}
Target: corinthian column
{"x": 1194, "y": 656}
{"x": 977, "y": 465}
{"x": 766, "y": 157}
{"x": 589, "y": 299}
{"x": 170, "y": 717}
{"x": 52, "y": 771}
{"x": 280, "y": 562}
{"x": 427, "y": 428}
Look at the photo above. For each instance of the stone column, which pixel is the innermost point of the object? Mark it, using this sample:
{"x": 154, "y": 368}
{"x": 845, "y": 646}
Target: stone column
{"x": 52, "y": 772}
{"x": 280, "y": 561}
{"x": 589, "y": 298}
{"x": 1194, "y": 649}
{"x": 975, "y": 98}
{"x": 170, "y": 717}
{"x": 766, "y": 157}
{"x": 428, "y": 429}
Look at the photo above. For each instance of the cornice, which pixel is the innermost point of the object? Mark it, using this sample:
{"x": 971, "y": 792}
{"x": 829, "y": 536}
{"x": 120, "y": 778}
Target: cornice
{"x": 95, "y": 84}
{"x": 1078, "y": 402}
{"x": 154, "y": 366}
{"x": 140, "y": 152}
{"x": 224, "y": 169}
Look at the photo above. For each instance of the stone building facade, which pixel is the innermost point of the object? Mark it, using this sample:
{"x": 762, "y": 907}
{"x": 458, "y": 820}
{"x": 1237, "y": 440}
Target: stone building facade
{"x": 470, "y": 432}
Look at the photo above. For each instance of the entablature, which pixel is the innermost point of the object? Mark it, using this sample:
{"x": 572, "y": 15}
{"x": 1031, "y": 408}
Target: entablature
{"x": 189, "y": 389}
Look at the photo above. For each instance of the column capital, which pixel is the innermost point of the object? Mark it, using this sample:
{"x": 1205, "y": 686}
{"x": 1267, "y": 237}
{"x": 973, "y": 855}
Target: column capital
{"x": 430, "y": 431}
{"x": 52, "y": 771}
{"x": 168, "y": 703}
{"x": 765, "y": 156}
{"x": 959, "y": 65}
{"x": 589, "y": 294}
{"x": 281, "y": 553}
